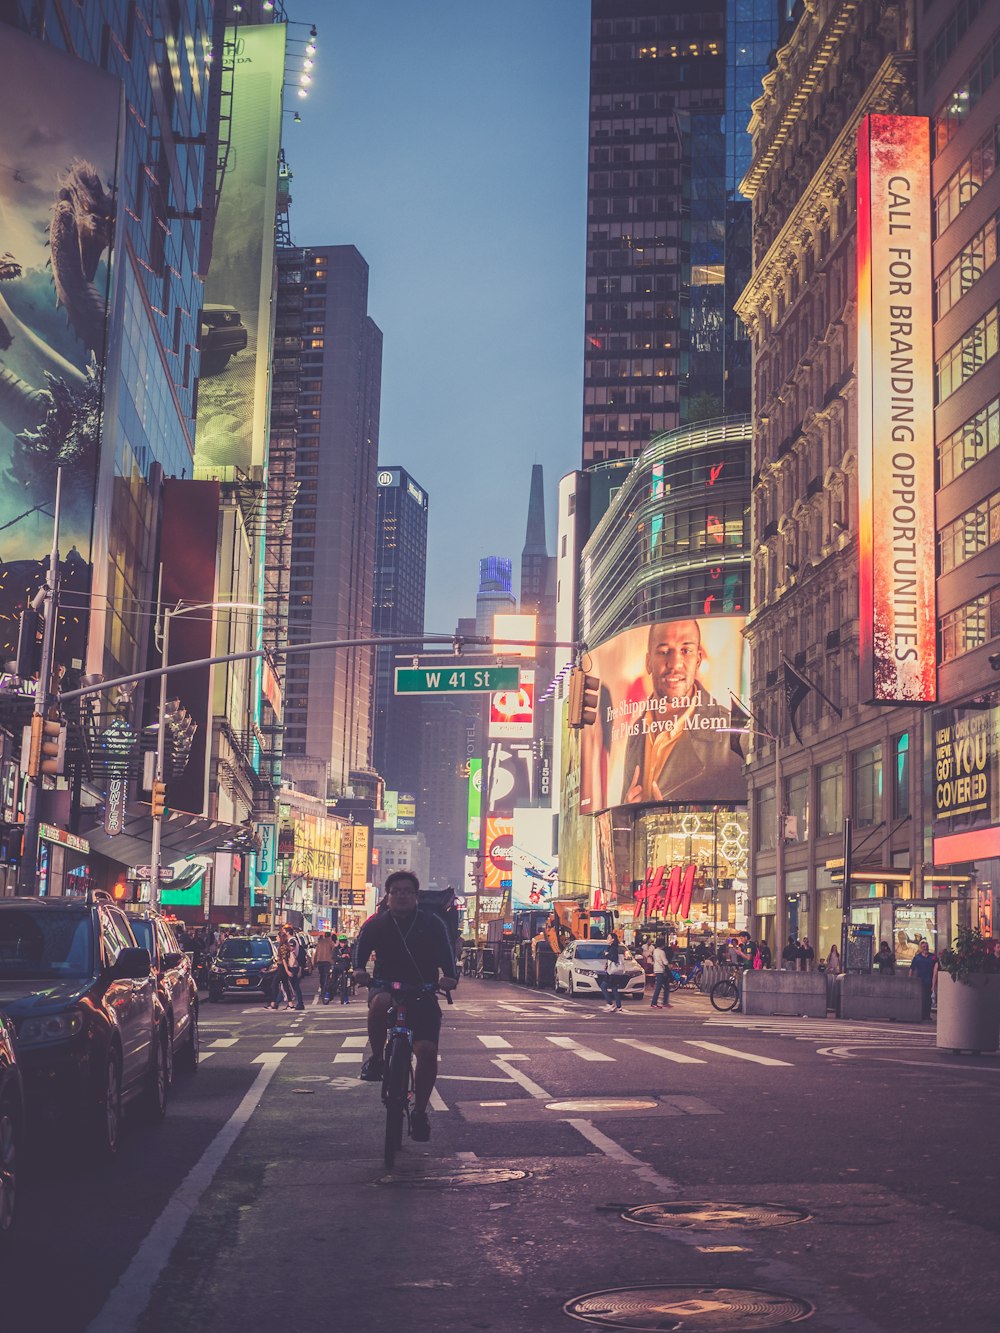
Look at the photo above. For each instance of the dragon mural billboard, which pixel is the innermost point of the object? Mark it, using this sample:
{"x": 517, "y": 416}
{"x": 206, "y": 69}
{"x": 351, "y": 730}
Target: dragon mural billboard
{"x": 236, "y": 318}
{"x": 61, "y": 122}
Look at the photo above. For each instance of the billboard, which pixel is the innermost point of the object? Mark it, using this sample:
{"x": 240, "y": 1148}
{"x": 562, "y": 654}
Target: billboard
{"x": 406, "y": 811}
{"x": 499, "y": 837}
{"x": 511, "y": 771}
{"x": 512, "y": 712}
{"x": 966, "y": 743}
{"x": 57, "y": 222}
{"x": 386, "y": 820}
{"x": 662, "y": 729}
{"x": 534, "y": 860}
{"x": 896, "y": 529}
{"x": 473, "y": 833}
{"x": 520, "y": 626}
{"x": 237, "y": 314}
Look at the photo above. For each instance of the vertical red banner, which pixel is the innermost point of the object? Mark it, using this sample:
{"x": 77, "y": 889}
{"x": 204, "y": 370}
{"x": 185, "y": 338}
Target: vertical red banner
{"x": 896, "y": 531}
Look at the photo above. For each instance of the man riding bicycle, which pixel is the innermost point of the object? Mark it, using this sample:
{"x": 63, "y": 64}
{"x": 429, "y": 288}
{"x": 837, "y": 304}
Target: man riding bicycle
{"x": 410, "y": 947}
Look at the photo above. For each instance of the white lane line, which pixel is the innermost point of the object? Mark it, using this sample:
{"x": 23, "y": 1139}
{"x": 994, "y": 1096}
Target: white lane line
{"x": 124, "y": 1307}
{"x": 739, "y": 1055}
{"x": 583, "y": 1052}
{"x": 437, "y": 1101}
{"x": 355, "y": 1043}
{"x": 623, "y": 1157}
{"x": 676, "y": 1056}
{"x": 495, "y": 1043}
{"x": 288, "y": 1041}
{"x": 348, "y": 1057}
{"x": 522, "y": 1079}
{"x": 474, "y": 1078}
{"x": 221, "y": 1043}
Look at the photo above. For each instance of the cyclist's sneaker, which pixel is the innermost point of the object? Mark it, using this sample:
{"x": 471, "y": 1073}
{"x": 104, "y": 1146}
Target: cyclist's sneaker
{"x": 420, "y": 1126}
{"x": 371, "y": 1070}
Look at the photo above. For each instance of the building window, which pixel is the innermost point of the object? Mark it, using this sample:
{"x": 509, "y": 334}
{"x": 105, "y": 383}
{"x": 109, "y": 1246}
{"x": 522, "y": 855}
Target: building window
{"x": 966, "y": 94}
{"x": 968, "y": 266}
{"x": 830, "y": 797}
{"x": 765, "y": 819}
{"x": 973, "y": 440}
{"x": 976, "y": 346}
{"x": 901, "y": 775}
{"x": 970, "y": 533}
{"x": 963, "y": 185}
{"x": 969, "y": 626}
{"x": 866, "y": 768}
{"x": 797, "y": 805}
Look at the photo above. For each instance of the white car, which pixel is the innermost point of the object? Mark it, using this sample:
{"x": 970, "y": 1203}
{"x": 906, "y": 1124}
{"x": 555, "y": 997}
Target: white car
{"x": 579, "y": 964}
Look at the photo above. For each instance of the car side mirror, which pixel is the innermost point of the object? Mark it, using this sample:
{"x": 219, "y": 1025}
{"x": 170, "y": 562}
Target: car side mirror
{"x": 171, "y": 960}
{"x": 131, "y": 965}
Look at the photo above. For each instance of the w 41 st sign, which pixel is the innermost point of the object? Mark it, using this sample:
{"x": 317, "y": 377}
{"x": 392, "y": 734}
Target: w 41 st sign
{"x": 455, "y": 680}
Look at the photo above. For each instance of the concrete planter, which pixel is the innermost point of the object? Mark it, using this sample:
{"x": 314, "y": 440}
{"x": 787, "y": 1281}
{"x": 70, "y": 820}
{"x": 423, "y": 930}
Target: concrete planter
{"x": 801, "y": 993}
{"x": 968, "y": 1013}
{"x": 870, "y": 995}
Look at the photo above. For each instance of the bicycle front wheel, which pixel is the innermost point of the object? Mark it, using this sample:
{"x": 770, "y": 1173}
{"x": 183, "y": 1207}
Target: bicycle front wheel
{"x": 725, "y": 995}
{"x": 395, "y": 1090}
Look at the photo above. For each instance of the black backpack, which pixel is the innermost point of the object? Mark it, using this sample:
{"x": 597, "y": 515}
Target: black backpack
{"x": 442, "y": 903}
{"x": 302, "y": 957}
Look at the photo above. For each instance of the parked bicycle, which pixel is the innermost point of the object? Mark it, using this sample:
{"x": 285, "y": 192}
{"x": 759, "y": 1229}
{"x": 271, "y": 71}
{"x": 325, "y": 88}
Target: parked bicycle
{"x": 727, "y": 993}
{"x": 397, "y": 1064}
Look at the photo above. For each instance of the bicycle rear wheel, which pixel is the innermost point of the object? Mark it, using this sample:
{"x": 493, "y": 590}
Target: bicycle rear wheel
{"x": 725, "y": 995}
{"x": 395, "y": 1090}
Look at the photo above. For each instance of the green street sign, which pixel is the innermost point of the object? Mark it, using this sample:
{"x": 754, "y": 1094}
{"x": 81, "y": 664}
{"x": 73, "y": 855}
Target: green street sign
{"x": 456, "y": 680}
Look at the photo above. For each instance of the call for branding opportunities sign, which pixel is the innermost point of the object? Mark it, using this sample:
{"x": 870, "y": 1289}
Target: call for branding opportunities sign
{"x": 895, "y": 411}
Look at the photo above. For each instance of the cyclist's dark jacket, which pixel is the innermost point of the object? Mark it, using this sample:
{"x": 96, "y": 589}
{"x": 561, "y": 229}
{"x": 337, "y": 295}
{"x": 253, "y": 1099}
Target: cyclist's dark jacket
{"x": 427, "y": 940}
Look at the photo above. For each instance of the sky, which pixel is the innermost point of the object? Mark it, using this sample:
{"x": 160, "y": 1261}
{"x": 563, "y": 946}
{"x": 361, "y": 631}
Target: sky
{"x": 447, "y": 141}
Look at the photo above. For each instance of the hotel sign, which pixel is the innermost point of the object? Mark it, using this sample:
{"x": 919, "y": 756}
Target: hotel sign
{"x": 895, "y": 411}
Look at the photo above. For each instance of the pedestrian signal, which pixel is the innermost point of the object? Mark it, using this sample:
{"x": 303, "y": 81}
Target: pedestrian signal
{"x": 584, "y": 692}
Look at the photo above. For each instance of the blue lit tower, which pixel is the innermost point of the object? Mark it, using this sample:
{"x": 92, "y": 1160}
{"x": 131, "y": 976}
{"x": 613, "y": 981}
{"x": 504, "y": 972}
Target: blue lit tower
{"x": 495, "y": 591}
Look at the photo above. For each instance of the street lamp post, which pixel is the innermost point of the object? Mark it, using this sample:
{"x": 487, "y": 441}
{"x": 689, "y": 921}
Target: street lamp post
{"x": 159, "y": 771}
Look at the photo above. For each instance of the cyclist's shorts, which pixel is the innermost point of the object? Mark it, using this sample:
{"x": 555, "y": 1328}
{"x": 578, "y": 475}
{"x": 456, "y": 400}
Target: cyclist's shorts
{"x": 423, "y": 1014}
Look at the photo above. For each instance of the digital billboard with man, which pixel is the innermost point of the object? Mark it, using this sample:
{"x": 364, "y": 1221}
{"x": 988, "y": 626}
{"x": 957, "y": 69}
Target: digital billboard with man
{"x": 662, "y": 734}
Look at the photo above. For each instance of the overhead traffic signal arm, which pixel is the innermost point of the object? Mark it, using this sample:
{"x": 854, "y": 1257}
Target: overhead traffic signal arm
{"x": 584, "y": 695}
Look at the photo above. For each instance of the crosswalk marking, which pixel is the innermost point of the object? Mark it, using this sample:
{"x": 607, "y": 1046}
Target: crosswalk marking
{"x": 221, "y": 1043}
{"x": 676, "y": 1056}
{"x": 437, "y": 1101}
{"x": 495, "y": 1043}
{"x": 204, "y": 1055}
{"x": 583, "y": 1052}
{"x": 738, "y": 1055}
{"x": 288, "y": 1041}
{"x": 355, "y": 1042}
{"x": 348, "y": 1057}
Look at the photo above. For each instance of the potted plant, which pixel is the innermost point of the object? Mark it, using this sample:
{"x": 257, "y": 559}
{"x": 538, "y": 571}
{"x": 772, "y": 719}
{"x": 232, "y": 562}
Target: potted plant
{"x": 968, "y": 994}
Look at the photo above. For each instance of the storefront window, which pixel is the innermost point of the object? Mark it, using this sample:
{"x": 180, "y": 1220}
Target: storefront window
{"x": 867, "y": 773}
{"x": 797, "y": 903}
{"x": 764, "y": 817}
{"x": 830, "y": 794}
{"x": 829, "y": 919}
{"x": 901, "y": 776}
{"x": 700, "y": 853}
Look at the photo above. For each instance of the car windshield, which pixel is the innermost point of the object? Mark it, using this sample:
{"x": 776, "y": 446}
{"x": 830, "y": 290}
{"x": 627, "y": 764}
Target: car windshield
{"x": 591, "y": 951}
{"x": 245, "y": 949}
{"x": 45, "y": 945}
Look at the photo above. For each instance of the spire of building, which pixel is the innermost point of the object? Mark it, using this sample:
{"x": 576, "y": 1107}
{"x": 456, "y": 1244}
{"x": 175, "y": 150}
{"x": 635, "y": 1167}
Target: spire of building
{"x": 534, "y": 535}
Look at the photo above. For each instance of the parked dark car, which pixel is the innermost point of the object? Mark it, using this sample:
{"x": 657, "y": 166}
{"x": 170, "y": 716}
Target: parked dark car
{"x": 11, "y": 1129}
{"x": 243, "y": 967}
{"x": 91, "y": 1031}
{"x": 223, "y": 334}
{"x": 176, "y": 985}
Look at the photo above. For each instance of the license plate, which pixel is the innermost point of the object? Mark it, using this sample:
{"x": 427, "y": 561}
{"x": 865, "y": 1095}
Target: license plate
{"x": 243, "y": 981}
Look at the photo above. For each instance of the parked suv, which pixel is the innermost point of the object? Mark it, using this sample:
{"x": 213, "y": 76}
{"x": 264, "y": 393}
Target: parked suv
{"x": 175, "y": 984}
{"x": 244, "y": 965}
{"x": 91, "y": 1030}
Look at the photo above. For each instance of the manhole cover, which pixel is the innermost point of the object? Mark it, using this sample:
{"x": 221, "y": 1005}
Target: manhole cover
{"x": 304, "y": 1092}
{"x": 586, "y": 1104}
{"x": 677, "y": 1307}
{"x": 446, "y": 1180}
{"x": 717, "y": 1215}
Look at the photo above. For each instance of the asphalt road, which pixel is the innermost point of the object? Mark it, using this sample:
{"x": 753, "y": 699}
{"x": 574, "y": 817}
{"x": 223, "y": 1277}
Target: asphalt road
{"x": 262, "y": 1202}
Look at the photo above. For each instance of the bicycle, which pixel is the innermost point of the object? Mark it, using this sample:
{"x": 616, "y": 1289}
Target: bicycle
{"x": 397, "y": 1065}
{"x": 727, "y": 992}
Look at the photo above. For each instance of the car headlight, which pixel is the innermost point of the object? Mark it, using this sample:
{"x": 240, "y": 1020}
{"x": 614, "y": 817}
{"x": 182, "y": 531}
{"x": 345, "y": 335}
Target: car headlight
{"x": 54, "y": 1027}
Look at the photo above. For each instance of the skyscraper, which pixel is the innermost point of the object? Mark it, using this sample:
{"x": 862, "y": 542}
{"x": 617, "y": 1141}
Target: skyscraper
{"x": 670, "y": 90}
{"x": 333, "y": 532}
{"x": 495, "y": 591}
{"x": 400, "y": 580}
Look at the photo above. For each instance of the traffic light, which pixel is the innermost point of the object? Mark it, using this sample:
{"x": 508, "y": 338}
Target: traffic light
{"x": 584, "y": 692}
{"x": 29, "y": 645}
{"x": 47, "y": 747}
{"x": 158, "y": 799}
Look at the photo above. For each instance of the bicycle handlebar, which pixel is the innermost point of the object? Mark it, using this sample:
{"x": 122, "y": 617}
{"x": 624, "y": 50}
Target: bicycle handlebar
{"x": 425, "y": 988}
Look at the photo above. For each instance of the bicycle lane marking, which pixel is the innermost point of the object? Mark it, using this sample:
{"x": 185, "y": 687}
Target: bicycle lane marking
{"x": 133, "y": 1291}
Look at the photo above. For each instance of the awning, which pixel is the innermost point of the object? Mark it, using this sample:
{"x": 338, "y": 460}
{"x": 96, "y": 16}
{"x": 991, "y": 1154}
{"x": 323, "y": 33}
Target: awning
{"x": 181, "y": 835}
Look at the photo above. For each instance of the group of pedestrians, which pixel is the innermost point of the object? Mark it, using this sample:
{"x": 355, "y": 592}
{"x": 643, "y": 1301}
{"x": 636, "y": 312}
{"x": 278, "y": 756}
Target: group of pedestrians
{"x": 334, "y": 963}
{"x": 285, "y": 980}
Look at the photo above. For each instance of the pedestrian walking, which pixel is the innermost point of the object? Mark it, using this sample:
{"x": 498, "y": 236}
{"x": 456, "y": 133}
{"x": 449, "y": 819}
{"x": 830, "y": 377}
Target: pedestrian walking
{"x": 661, "y": 975}
{"x": 924, "y": 966}
{"x": 293, "y": 964}
{"x": 281, "y": 985}
{"x": 885, "y": 961}
{"x": 610, "y": 980}
{"x": 806, "y": 955}
{"x": 324, "y": 960}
